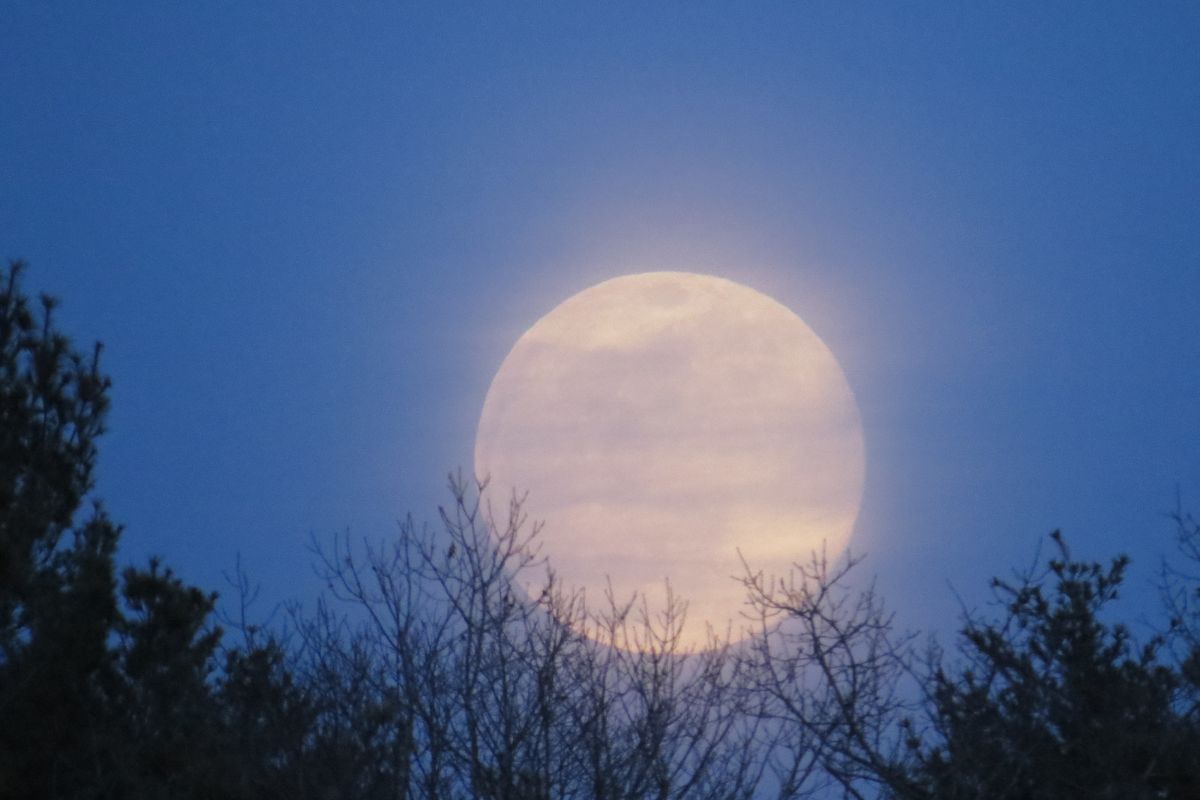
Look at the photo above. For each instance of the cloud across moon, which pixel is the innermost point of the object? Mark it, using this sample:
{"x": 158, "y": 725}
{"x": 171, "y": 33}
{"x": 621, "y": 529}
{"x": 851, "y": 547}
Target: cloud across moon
{"x": 662, "y": 421}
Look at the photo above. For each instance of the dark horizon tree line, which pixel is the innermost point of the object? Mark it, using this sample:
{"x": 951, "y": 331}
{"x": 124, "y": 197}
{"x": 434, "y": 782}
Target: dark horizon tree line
{"x": 425, "y": 672}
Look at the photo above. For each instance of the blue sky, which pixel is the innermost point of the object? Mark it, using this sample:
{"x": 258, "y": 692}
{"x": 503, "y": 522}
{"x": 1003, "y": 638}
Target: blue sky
{"x": 309, "y": 235}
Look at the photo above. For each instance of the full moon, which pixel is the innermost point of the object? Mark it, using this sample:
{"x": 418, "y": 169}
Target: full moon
{"x": 663, "y": 422}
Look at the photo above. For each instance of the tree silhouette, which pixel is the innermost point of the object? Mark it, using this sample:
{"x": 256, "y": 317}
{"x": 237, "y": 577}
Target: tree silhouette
{"x": 495, "y": 690}
{"x": 57, "y": 603}
{"x": 449, "y": 662}
{"x": 104, "y": 691}
{"x": 1052, "y": 701}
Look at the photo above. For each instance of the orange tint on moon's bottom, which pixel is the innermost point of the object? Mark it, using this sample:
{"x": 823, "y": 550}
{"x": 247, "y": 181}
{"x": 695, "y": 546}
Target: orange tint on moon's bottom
{"x": 662, "y": 422}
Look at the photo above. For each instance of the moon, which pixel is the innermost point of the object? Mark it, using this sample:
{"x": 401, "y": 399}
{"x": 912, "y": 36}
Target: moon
{"x": 662, "y": 422}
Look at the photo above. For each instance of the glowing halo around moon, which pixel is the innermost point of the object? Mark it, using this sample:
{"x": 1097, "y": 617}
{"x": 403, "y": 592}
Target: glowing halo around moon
{"x": 661, "y": 422}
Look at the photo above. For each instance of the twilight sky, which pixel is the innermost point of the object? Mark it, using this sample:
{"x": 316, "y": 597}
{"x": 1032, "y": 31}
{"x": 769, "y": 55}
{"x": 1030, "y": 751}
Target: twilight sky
{"x": 309, "y": 236}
